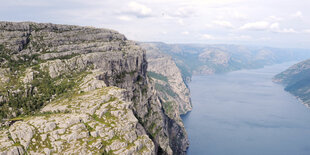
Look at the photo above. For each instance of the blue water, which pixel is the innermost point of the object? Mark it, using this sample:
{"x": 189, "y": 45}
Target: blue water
{"x": 245, "y": 113}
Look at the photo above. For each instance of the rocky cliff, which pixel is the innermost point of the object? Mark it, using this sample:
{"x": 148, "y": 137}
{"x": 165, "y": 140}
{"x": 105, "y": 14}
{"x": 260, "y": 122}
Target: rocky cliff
{"x": 296, "y": 80}
{"x": 169, "y": 85}
{"x": 79, "y": 89}
{"x": 168, "y": 78}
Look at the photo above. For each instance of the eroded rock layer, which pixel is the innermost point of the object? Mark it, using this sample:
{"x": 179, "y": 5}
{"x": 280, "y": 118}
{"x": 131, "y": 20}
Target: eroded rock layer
{"x": 79, "y": 89}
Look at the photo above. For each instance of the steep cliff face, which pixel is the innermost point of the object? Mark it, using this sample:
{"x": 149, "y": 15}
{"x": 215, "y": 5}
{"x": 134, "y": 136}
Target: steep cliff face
{"x": 170, "y": 88}
{"x": 296, "y": 80}
{"x": 168, "y": 79}
{"x": 94, "y": 75}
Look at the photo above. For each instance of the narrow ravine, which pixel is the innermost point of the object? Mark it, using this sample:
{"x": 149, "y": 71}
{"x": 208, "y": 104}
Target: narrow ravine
{"x": 244, "y": 112}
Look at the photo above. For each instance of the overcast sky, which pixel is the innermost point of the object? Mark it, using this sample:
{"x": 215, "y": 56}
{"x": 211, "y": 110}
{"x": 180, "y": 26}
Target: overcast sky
{"x": 279, "y": 23}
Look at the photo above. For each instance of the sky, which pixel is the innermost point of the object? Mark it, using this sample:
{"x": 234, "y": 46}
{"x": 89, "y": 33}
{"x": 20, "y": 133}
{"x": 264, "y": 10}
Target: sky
{"x": 277, "y": 23}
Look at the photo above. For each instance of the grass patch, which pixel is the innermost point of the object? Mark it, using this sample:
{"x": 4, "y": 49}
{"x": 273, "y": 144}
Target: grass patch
{"x": 166, "y": 89}
{"x": 157, "y": 76}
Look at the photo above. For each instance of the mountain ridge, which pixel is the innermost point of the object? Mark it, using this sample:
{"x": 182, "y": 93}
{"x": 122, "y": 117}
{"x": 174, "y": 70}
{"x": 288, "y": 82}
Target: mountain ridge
{"x": 206, "y": 59}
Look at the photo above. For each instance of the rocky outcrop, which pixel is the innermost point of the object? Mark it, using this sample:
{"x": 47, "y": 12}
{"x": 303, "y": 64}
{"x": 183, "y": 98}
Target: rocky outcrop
{"x": 296, "y": 80}
{"x": 98, "y": 121}
{"x": 90, "y": 85}
{"x": 172, "y": 91}
{"x": 168, "y": 78}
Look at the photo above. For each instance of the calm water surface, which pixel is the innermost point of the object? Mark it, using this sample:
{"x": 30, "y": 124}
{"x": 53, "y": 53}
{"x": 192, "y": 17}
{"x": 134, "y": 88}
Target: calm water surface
{"x": 244, "y": 113}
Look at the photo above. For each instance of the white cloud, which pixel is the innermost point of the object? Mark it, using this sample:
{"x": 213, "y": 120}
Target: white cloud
{"x": 275, "y": 18}
{"x": 139, "y": 10}
{"x": 298, "y": 14}
{"x": 184, "y": 12}
{"x": 258, "y": 26}
{"x": 275, "y": 27}
{"x": 125, "y": 18}
{"x": 307, "y": 31}
{"x": 233, "y": 36}
{"x": 208, "y": 37}
{"x": 29, "y": 3}
{"x": 264, "y": 38}
{"x": 208, "y": 25}
{"x": 180, "y": 12}
{"x": 201, "y": 2}
{"x": 238, "y": 15}
{"x": 242, "y": 37}
{"x": 289, "y": 30}
{"x": 185, "y": 33}
{"x": 222, "y": 23}
{"x": 181, "y": 22}
{"x": 164, "y": 32}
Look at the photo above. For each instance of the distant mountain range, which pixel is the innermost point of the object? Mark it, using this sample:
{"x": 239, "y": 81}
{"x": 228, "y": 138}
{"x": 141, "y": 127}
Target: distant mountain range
{"x": 204, "y": 59}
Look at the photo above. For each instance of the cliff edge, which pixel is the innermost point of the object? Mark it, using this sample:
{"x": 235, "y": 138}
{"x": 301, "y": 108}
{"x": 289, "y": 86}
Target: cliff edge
{"x": 79, "y": 89}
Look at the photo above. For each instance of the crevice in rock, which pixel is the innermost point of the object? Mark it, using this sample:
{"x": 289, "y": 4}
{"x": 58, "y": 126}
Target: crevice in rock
{"x": 25, "y": 43}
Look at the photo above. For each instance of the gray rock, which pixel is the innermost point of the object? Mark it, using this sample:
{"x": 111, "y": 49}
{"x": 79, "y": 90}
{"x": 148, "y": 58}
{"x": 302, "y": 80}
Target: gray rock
{"x": 22, "y": 132}
{"x": 115, "y": 69}
{"x": 94, "y": 133}
{"x": 47, "y": 151}
{"x": 16, "y": 150}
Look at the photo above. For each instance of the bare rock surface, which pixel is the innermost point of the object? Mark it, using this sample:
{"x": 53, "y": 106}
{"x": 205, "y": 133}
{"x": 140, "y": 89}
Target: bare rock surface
{"x": 88, "y": 123}
{"x": 161, "y": 64}
{"x": 80, "y": 90}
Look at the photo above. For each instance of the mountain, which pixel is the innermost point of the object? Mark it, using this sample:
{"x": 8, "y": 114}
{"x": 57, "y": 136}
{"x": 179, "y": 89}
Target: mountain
{"x": 296, "y": 80}
{"x": 71, "y": 89}
{"x": 204, "y": 59}
{"x": 172, "y": 90}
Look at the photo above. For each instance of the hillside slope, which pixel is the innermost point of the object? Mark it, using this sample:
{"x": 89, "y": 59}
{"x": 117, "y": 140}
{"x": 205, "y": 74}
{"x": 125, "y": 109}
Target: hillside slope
{"x": 296, "y": 80}
{"x": 79, "y": 89}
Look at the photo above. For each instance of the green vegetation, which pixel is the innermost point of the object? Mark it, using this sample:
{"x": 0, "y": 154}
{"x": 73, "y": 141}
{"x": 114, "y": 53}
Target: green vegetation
{"x": 112, "y": 98}
{"x": 1, "y": 47}
{"x": 107, "y": 118}
{"x": 119, "y": 78}
{"x": 18, "y": 64}
{"x": 157, "y": 76}
{"x": 40, "y": 91}
{"x": 186, "y": 73}
{"x": 89, "y": 128}
{"x": 35, "y": 27}
{"x": 139, "y": 78}
{"x": 65, "y": 56}
{"x": 144, "y": 148}
{"x": 168, "y": 107}
{"x": 165, "y": 89}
